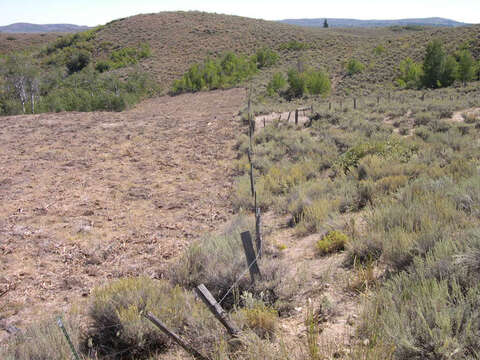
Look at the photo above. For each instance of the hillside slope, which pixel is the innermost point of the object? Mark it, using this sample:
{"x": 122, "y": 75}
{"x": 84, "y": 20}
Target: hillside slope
{"x": 180, "y": 39}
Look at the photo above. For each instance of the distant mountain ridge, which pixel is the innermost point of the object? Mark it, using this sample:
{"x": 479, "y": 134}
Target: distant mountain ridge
{"x": 318, "y": 22}
{"x": 36, "y": 28}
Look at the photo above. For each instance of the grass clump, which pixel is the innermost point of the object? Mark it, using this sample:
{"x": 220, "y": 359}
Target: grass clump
{"x": 257, "y": 316}
{"x": 218, "y": 262}
{"x": 333, "y": 241}
{"x": 118, "y": 327}
{"x": 44, "y": 341}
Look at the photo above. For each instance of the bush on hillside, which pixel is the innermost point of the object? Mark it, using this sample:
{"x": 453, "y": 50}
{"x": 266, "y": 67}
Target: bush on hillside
{"x": 78, "y": 61}
{"x": 308, "y": 82}
{"x": 354, "y": 67}
{"x": 277, "y": 84}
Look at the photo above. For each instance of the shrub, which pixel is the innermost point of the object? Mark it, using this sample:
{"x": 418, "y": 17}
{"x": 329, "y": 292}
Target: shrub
{"x": 379, "y": 50}
{"x": 103, "y": 66}
{"x": 311, "y": 81}
{"x": 266, "y": 57}
{"x": 317, "y": 82}
{"x": 43, "y": 341}
{"x": 118, "y": 327}
{"x": 296, "y": 84}
{"x": 257, "y": 316}
{"x": 430, "y": 312}
{"x": 218, "y": 261}
{"x": 294, "y": 45}
{"x": 410, "y": 74}
{"x": 354, "y": 67}
{"x": 333, "y": 241}
{"x": 78, "y": 61}
{"x": 228, "y": 71}
{"x": 277, "y": 84}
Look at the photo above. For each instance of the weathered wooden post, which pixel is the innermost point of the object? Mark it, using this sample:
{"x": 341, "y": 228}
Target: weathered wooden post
{"x": 355, "y": 103}
{"x": 250, "y": 255}
{"x": 329, "y": 106}
{"x": 289, "y": 113}
{"x": 187, "y": 347}
{"x": 296, "y": 117}
{"x": 216, "y": 309}
{"x": 264, "y": 123}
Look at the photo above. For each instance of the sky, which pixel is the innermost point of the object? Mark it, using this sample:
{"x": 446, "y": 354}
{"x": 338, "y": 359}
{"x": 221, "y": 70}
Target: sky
{"x": 97, "y": 12}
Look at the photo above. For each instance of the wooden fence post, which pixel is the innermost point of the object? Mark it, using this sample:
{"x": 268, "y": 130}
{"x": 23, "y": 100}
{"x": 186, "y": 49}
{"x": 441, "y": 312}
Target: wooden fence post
{"x": 354, "y": 103}
{"x": 329, "y": 106}
{"x": 250, "y": 255}
{"x": 296, "y": 117}
{"x": 258, "y": 231}
{"x": 187, "y": 347}
{"x": 289, "y": 113}
{"x": 216, "y": 309}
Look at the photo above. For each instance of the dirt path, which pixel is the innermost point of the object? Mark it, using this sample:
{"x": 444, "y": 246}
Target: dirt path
{"x": 89, "y": 197}
{"x": 458, "y": 116}
{"x": 262, "y": 121}
{"x": 324, "y": 289}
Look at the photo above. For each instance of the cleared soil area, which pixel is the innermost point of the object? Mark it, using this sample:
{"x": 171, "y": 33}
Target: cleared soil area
{"x": 88, "y": 197}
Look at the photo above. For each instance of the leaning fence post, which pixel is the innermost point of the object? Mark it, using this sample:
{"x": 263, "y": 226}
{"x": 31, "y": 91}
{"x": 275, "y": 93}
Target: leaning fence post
{"x": 69, "y": 341}
{"x": 174, "y": 336}
{"x": 258, "y": 231}
{"x": 216, "y": 309}
{"x": 250, "y": 255}
{"x": 289, "y": 113}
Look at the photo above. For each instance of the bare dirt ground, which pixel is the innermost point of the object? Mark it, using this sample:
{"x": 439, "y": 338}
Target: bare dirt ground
{"x": 88, "y": 197}
{"x": 459, "y": 116}
{"x": 326, "y": 288}
{"x": 262, "y": 121}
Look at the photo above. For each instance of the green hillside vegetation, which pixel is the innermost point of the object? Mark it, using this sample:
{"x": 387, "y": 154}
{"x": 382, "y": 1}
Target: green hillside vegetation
{"x": 228, "y": 71}
{"x": 66, "y": 76}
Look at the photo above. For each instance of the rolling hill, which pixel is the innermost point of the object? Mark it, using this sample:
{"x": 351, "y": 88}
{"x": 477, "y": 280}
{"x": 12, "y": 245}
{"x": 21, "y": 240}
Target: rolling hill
{"x": 180, "y": 39}
{"x": 435, "y": 21}
{"x": 35, "y": 28}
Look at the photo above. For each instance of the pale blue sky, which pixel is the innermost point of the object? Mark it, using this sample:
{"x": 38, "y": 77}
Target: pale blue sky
{"x": 95, "y": 12}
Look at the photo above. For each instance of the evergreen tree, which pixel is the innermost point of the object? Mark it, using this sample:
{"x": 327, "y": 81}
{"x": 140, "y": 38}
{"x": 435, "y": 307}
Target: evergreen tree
{"x": 325, "y": 23}
{"x": 465, "y": 66}
{"x": 433, "y": 65}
